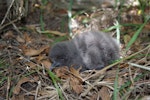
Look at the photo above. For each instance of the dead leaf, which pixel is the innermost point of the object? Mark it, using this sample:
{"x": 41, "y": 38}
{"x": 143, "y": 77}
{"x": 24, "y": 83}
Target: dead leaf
{"x": 21, "y": 81}
{"x": 8, "y": 34}
{"x": 35, "y": 79}
{"x": 20, "y": 39}
{"x": 17, "y": 97}
{"x": 41, "y": 57}
{"x": 62, "y": 72}
{"x": 94, "y": 96}
{"x": 3, "y": 45}
{"x": 22, "y": 97}
{"x": 104, "y": 93}
{"x": 32, "y": 27}
{"x": 66, "y": 85}
{"x": 46, "y": 63}
{"x": 76, "y": 85}
{"x": 34, "y": 52}
{"x": 46, "y": 51}
{"x": 27, "y": 38}
{"x": 76, "y": 81}
{"x": 31, "y": 65}
{"x": 76, "y": 73}
{"x": 73, "y": 75}
{"x": 60, "y": 11}
{"x": 17, "y": 87}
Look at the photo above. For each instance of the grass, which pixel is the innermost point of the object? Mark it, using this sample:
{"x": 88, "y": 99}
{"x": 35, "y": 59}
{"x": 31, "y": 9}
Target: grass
{"x": 136, "y": 34}
{"x": 3, "y": 78}
{"x": 44, "y": 2}
{"x": 55, "y": 79}
{"x": 139, "y": 28}
{"x": 127, "y": 86}
{"x": 115, "y": 92}
{"x": 59, "y": 39}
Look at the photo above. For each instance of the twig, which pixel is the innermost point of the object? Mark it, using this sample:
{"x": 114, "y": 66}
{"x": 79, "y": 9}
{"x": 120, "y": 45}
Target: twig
{"x": 130, "y": 75}
{"x": 15, "y": 26}
{"x": 51, "y": 32}
{"x": 63, "y": 92}
{"x": 8, "y": 88}
{"x": 15, "y": 20}
{"x": 7, "y": 12}
{"x": 91, "y": 86}
{"x": 139, "y": 66}
{"x": 37, "y": 89}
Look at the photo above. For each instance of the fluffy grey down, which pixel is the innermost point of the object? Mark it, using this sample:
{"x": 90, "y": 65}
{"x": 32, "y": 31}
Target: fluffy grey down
{"x": 91, "y": 50}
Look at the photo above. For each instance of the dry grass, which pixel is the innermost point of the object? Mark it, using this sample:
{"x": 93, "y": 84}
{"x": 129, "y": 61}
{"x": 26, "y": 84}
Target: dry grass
{"x": 24, "y": 64}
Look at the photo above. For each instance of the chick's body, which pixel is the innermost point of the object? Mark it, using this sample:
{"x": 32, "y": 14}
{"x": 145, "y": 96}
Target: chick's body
{"x": 91, "y": 50}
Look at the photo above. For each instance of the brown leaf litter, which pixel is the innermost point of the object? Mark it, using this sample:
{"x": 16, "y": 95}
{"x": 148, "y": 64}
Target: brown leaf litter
{"x": 24, "y": 76}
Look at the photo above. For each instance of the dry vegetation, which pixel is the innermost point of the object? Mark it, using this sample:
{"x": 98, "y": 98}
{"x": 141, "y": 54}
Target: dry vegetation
{"x": 27, "y": 36}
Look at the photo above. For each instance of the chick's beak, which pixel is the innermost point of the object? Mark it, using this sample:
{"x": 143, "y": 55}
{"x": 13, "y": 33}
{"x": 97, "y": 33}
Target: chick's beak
{"x": 54, "y": 64}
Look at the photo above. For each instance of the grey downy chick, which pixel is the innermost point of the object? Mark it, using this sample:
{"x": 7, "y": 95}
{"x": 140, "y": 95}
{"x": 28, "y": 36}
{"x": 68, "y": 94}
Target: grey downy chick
{"x": 91, "y": 50}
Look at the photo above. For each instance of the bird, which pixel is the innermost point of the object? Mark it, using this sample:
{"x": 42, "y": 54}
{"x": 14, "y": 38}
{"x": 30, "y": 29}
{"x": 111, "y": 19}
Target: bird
{"x": 89, "y": 50}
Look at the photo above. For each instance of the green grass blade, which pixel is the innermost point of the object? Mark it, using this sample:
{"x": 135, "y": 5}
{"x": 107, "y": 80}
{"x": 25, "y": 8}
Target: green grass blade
{"x": 54, "y": 80}
{"x": 118, "y": 31}
{"x": 70, "y": 17}
{"x": 115, "y": 93}
{"x": 133, "y": 39}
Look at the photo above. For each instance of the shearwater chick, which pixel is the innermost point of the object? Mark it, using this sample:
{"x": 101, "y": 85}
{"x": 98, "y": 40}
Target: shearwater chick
{"x": 91, "y": 50}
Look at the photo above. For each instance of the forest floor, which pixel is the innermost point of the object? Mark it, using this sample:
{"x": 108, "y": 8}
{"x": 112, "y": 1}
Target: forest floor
{"x": 25, "y": 44}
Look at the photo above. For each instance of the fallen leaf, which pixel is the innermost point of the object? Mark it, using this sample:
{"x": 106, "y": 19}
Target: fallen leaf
{"x": 31, "y": 65}
{"x": 61, "y": 11}
{"x": 94, "y": 96}
{"x": 73, "y": 75}
{"x": 104, "y": 93}
{"x": 76, "y": 85}
{"x": 32, "y": 27}
{"x": 27, "y": 38}
{"x": 76, "y": 81}
{"x": 66, "y": 85}
{"x": 76, "y": 73}
{"x": 17, "y": 97}
{"x": 34, "y": 52}
{"x": 46, "y": 51}
{"x": 46, "y": 63}
{"x": 40, "y": 57}
{"x": 8, "y": 35}
{"x": 20, "y": 39}
{"x": 17, "y": 87}
{"x": 62, "y": 72}
{"x": 21, "y": 81}
{"x": 22, "y": 97}
{"x": 3, "y": 45}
